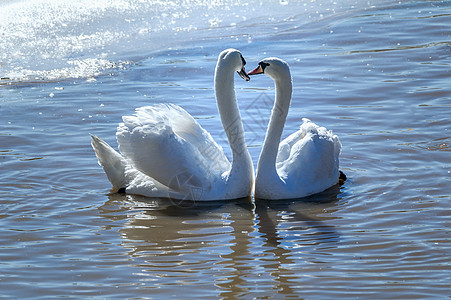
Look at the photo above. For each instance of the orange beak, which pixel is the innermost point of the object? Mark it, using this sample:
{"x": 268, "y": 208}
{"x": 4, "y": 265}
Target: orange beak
{"x": 256, "y": 71}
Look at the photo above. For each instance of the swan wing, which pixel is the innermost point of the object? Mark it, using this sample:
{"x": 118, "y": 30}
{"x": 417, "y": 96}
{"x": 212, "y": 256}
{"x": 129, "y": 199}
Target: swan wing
{"x": 308, "y": 159}
{"x": 287, "y": 144}
{"x": 165, "y": 143}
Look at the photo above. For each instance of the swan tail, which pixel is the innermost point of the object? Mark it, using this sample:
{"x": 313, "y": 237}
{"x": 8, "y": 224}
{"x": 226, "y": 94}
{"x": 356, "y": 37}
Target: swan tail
{"x": 111, "y": 161}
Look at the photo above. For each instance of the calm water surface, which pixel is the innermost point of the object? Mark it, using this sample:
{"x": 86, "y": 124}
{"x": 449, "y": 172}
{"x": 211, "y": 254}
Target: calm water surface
{"x": 377, "y": 74}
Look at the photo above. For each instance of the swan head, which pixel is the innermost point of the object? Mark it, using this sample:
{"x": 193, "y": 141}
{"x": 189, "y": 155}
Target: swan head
{"x": 233, "y": 58}
{"x": 274, "y": 67}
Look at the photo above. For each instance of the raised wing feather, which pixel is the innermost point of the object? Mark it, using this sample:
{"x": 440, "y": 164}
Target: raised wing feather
{"x": 309, "y": 157}
{"x": 166, "y": 143}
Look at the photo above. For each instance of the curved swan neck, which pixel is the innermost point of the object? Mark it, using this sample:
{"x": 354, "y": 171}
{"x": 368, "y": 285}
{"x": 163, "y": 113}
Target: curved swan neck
{"x": 267, "y": 160}
{"x": 228, "y": 109}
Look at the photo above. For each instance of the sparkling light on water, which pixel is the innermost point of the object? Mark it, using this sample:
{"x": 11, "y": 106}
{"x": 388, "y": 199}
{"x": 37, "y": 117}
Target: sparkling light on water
{"x": 51, "y": 39}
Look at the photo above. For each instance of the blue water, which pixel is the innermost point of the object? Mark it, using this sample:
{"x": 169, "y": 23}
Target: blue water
{"x": 376, "y": 73}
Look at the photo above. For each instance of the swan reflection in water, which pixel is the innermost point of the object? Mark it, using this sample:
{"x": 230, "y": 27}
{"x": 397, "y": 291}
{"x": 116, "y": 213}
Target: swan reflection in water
{"x": 228, "y": 245}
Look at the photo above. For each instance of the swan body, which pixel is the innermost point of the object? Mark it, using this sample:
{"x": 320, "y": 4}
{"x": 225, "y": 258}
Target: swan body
{"x": 164, "y": 152}
{"x": 304, "y": 163}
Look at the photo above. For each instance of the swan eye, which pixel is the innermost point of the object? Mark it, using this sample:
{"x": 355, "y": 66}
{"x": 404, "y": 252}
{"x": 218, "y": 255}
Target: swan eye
{"x": 263, "y": 65}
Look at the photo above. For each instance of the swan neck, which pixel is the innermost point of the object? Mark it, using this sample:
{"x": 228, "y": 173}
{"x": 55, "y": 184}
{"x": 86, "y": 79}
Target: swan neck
{"x": 229, "y": 111}
{"x": 268, "y": 156}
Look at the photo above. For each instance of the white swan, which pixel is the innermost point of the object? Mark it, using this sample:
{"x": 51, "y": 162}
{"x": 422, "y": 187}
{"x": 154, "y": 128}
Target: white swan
{"x": 306, "y": 162}
{"x": 164, "y": 152}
